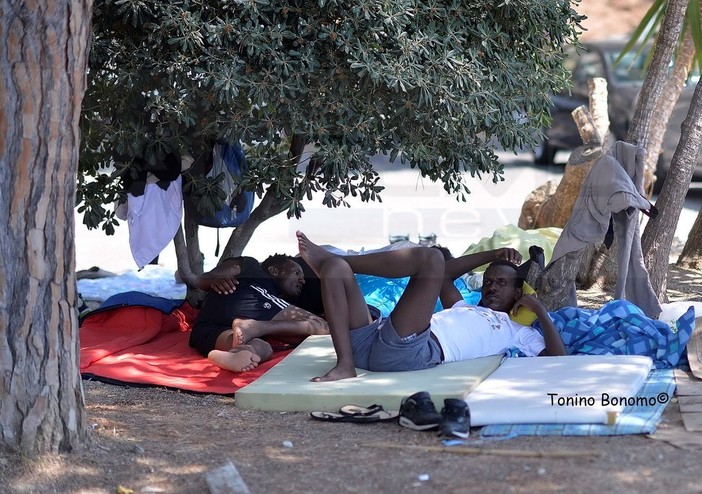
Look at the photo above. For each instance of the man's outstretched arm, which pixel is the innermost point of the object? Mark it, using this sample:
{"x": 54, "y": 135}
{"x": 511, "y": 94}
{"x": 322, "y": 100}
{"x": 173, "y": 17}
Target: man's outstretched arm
{"x": 458, "y": 266}
{"x": 290, "y": 325}
{"x": 221, "y": 279}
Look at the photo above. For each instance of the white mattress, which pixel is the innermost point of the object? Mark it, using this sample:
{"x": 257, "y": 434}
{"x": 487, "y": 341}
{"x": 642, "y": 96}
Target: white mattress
{"x": 571, "y": 389}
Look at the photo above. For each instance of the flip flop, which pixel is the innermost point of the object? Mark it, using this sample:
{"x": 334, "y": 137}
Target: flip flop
{"x": 379, "y": 416}
{"x": 359, "y": 410}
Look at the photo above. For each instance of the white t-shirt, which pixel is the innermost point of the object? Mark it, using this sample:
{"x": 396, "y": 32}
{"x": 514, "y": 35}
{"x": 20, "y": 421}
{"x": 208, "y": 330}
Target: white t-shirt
{"x": 467, "y": 331}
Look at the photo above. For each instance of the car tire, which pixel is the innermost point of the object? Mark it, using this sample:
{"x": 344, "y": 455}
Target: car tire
{"x": 544, "y": 153}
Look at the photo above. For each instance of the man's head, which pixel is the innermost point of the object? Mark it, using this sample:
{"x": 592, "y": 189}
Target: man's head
{"x": 287, "y": 274}
{"x": 502, "y": 286}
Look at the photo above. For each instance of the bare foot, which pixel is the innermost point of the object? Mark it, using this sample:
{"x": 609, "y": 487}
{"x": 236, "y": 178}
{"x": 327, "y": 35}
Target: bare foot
{"x": 312, "y": 253}
{"x": 243, "y": 331}
{"x": 261, "y": 348}
{"x": 337, "y": 373}
{"x": 238, "y": 359}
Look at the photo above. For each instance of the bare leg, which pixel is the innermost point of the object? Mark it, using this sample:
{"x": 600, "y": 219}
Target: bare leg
{"x": 424, "y": 266}
{"x": 347, "y": 309}
{"x": 243, "y": 357}
{"x": 343, "y": 299}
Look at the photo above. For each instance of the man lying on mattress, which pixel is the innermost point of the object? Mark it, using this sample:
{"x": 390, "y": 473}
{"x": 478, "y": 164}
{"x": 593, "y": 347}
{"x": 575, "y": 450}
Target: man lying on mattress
{"x": 247, "y": 301}
{"x": 413, "y": 336}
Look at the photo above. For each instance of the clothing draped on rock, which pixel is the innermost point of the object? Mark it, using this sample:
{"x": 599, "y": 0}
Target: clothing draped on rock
{"x": 613, "y": 193}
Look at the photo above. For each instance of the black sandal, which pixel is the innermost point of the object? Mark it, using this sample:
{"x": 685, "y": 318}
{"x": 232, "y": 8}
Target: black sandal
{"x": 359, "y": 418}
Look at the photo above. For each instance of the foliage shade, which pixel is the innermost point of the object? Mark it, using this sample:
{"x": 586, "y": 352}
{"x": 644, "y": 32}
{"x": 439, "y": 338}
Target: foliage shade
{"x": 437, "y": 83}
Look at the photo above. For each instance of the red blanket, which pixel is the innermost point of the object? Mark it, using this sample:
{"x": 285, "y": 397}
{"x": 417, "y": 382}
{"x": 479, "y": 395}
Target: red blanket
{"x": 145, "y": 346}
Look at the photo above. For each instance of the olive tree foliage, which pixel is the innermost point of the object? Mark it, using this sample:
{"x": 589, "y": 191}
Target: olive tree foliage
{"x": 436, "y": 84}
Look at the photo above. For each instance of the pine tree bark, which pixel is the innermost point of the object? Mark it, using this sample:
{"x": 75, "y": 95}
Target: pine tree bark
{"x": 43, "y": 55}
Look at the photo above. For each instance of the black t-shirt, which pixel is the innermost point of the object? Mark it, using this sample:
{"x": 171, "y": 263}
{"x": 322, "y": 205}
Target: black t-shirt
{"x": 255, "y": 297}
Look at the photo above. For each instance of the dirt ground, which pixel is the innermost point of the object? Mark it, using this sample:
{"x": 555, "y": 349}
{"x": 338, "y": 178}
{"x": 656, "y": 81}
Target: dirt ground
{"x": 152, "y": 440}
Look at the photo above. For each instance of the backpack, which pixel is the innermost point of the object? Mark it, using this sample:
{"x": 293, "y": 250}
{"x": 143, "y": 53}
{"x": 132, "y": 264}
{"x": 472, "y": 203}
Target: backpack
{"x": 230, "y": 160}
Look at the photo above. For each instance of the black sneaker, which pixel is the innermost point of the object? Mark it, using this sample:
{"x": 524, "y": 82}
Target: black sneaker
{"x": 455, "y": 419}
{"x": 419, "y": 413}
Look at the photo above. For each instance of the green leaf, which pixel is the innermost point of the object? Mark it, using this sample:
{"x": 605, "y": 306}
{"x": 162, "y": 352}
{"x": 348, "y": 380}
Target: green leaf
{"x": 695, "y": 24}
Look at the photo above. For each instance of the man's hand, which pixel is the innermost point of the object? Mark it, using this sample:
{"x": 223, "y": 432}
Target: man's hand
{"x": 224, "y": 285}
{"x": 552, "y": 338}
{"x": 530, "y": 302}
{"x": 508, "y": 254}
{"x": 222, "y": 279}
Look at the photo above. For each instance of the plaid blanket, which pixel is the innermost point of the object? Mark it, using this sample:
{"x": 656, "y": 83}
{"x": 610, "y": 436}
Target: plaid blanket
{"x": 621, "y": 328}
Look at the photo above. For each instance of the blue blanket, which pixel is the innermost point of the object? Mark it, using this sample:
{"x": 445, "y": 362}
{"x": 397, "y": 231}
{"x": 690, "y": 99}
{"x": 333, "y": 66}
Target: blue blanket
{"x": 621, "y": 328}
{"x": 383, "y": 293}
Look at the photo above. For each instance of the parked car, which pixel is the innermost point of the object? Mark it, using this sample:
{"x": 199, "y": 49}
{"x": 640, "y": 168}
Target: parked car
{"x": 624, "y": 81}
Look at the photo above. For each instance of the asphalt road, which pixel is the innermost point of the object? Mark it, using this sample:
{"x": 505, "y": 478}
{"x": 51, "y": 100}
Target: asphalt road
{"x": 410, "y": 206}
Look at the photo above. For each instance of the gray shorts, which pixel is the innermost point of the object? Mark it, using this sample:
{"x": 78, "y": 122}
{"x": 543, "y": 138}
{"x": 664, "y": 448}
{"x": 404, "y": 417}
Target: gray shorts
{"x": 378, "y": 348}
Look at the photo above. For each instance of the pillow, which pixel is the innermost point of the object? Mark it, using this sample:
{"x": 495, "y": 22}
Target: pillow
{"x": 524, "y": 316}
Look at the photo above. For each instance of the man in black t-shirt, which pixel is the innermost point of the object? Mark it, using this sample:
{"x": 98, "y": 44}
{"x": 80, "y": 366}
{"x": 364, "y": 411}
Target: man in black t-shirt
{"x": 247, "y": 301}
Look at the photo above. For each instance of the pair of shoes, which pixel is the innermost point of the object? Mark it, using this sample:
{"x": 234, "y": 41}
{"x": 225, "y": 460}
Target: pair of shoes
{"x": 418, "y": 413}
{"x": 455, "y": 419}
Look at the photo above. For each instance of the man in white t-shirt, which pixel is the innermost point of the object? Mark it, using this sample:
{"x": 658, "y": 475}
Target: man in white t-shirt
{"x": 413, "y": 337}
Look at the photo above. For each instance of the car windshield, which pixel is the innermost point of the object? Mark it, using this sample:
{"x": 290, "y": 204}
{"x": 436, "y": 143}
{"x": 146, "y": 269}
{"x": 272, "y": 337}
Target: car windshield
{"x": 631, "y": 69}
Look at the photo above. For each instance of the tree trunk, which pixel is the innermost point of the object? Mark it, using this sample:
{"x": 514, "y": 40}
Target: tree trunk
{"x": 657, "y": 72}
{"x": 267, "y": 208}
{"x": 658, "y": 235}
{"x": 557, "y": 209}
{"x": 43, "y": 54}
{"x": 555, "y": 283}
{"x": 604, "y": 268}
{"x": 191, "y": 261}
{"x": 691, "y": 256}
{"x": 671, "y": 92}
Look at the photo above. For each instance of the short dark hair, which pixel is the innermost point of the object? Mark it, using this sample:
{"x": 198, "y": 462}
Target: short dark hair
{"x": 444, "y": 250}
{"x": 276, "y": 260}
{"x": 518, "y": 280}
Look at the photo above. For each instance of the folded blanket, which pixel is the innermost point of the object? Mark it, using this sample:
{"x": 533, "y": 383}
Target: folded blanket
{"x": 621, "y": 328}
